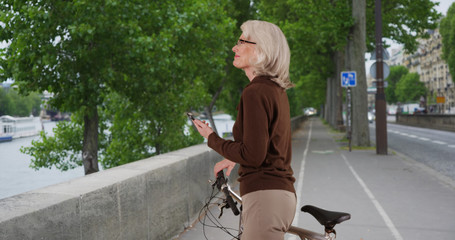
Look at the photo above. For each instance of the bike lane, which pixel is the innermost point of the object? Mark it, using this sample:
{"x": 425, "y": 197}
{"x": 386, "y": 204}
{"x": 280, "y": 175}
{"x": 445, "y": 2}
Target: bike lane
{"x": 389, "y": 197}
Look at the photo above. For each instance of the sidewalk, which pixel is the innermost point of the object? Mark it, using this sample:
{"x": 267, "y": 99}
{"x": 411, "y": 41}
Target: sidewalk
{"x": 389, "y": 197}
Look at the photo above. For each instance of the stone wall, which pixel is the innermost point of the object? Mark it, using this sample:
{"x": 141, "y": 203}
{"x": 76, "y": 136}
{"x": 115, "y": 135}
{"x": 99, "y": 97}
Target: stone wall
{"x": 433, "y": 121}
{"x": 155, "y": 198}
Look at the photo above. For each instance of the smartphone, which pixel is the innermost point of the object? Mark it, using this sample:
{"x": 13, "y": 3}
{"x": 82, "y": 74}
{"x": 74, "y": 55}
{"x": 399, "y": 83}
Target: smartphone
{"x": 190, "y": 116}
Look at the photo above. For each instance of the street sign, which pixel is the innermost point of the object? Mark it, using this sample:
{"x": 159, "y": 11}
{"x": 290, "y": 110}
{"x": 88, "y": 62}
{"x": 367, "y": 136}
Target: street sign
{"x": 348, "y": 79}
{"x": 440, "y": 100}
{"x": 385, "y": 69}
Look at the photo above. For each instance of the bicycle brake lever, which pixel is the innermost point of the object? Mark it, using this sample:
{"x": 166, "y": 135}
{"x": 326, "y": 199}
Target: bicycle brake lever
{"x": 212, "y": 183}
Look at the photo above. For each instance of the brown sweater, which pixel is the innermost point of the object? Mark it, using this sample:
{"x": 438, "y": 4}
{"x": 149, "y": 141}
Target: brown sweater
{"x": 262, "y": 138}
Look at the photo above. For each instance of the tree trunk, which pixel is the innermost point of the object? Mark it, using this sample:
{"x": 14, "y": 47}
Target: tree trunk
{"x": 90, "y": 144}
{"x": 208, "y": 110}
{"x": 215, "y": 96}
{"x": 328, "y": 108}
{"x": 356, "y": 62}
{"x": 340, "y": 66}
{"x": 334, "y": 95}
{"x": 333, "y": 101}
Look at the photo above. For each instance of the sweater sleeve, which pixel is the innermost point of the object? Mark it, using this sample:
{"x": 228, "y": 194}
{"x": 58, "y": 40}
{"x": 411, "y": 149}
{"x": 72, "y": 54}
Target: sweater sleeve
{"x": 251, "y": 150}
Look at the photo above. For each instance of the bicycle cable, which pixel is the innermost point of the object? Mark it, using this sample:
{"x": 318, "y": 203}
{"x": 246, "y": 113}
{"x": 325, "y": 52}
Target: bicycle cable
{"x": 206, "y": 214}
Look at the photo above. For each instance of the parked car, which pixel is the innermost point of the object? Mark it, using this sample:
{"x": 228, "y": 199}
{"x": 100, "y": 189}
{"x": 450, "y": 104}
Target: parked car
{"x": 392, "y": 110}
{"x": 420, "y": 110}
{"x": 310, "y": 111}
{"x": 371, "y": 117}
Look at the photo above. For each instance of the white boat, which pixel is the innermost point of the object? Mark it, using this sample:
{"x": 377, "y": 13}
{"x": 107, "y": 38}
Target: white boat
{"x": 17, "y": 127}
{"x": 7, "y": 128}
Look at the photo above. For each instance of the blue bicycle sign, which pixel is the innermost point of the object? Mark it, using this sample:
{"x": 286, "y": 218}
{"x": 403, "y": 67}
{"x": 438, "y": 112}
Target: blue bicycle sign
{"x": 348, "y": 79}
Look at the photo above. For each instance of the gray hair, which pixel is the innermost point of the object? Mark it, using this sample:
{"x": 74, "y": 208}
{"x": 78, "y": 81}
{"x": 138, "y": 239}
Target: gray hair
{"x": 273, "y": 54}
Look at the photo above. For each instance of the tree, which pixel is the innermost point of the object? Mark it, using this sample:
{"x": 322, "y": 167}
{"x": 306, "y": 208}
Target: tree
{"x": 396, "y": 73}
{"x": 410, "y": 88}
{"x": 403, "y": 21}
{"x": 447, "y": 29}
{"x": 93, "y": 55}
{"x": 355, "y": 52}
{"x": 226, "y": 94}
{"x": 315, "y": 30}
{"x": 11, "y": 103}
{"x": 5, "y": 103}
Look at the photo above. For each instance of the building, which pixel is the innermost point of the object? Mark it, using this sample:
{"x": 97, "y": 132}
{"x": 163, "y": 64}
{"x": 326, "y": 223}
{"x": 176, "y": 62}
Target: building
{"x": 433, "y": 71}
{"x": 397, "y": 57}
{"x": 435, "y": 74}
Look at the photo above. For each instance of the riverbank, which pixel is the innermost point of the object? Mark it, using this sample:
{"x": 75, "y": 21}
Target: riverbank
{"x": 17, "y": 177}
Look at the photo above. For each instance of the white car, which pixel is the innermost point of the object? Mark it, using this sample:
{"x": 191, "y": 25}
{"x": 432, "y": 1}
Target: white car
{"x": 371, "y": 117}
{"x": 310, "y": 111}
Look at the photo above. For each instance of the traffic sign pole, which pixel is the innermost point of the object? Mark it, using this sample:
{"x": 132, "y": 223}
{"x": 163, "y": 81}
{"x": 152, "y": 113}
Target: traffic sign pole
{"x": 348, "y": 80}
{"x": 349, "y": 116}
{"x": 381, "y": 121}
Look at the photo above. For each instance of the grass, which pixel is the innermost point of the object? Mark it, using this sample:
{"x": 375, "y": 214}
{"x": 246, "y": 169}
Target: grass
{"x": 358, "y": 148}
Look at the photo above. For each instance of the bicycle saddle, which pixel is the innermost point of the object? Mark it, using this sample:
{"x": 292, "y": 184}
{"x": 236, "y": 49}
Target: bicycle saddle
{"x": 327, "y": 218}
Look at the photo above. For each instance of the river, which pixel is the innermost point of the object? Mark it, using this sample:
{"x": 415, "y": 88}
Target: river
{"x": 17, "y": 177}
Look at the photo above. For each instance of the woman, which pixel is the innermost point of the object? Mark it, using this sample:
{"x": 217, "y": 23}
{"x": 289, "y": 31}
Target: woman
{"x": 262, "y": 133}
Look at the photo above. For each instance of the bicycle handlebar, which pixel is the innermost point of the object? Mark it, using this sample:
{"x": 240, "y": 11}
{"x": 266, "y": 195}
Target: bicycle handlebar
{"x": 221, "y": 184}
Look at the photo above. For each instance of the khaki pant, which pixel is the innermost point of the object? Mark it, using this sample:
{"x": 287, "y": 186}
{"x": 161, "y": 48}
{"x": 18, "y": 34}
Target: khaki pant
{"x": 267, "y": 214}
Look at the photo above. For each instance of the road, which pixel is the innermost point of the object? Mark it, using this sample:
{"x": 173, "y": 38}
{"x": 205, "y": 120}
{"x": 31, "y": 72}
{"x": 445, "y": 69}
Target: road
{"x": 434, "y": 148}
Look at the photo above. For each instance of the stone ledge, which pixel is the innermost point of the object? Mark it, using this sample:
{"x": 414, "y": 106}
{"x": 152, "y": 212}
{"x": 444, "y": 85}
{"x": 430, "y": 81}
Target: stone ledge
{"x": 155, "y": 198}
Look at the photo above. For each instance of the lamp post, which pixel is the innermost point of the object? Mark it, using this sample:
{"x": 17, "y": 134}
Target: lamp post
{"x": 381, "y": 121}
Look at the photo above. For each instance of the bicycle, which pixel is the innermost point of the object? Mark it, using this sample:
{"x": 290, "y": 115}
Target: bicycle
{"x": 326, "y": 218}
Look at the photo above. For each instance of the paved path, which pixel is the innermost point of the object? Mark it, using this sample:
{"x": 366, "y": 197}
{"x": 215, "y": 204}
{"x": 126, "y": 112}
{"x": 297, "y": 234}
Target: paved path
{"x": 389, "y": 197}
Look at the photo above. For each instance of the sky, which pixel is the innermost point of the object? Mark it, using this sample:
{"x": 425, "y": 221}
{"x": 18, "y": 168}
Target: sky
{"x": 443, "y": 5}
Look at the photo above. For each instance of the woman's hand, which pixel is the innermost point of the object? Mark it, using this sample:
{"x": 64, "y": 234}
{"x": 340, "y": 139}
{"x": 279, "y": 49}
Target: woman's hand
{"x": 203, "y": 128}
{"x": 219, "y": 166}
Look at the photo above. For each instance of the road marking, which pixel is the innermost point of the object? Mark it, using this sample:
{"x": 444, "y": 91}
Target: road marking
{"x": 376, "y": 203}
{"x": 322, "y": 152}
{"x": 300, "y": 180}
{"x": 423, "y": 138}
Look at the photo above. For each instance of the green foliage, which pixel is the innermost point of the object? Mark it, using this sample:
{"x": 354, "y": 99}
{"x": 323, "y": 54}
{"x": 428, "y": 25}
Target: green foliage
{"x": 235, "y": 79}
{"x": 140, "y": 64}
{"x": 409, "y": 88}
{"x": 61, "y": 150}
{"x": 447, "y": 29}
{"x": 403, "y": 21}
{"x": 396, "y": 73}
{"x": 135, "y": 135}
{"x": 11, "y": 103}
{"x": 315, "y": 31}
